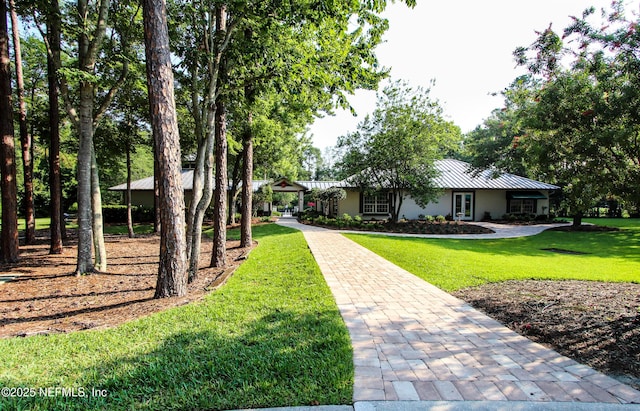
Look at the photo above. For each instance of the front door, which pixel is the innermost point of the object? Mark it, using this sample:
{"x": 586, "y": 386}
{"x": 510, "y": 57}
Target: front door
{"x": 463, "y": 206}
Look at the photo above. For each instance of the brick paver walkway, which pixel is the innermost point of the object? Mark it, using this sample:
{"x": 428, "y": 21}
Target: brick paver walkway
{"x": 413, "y": 341}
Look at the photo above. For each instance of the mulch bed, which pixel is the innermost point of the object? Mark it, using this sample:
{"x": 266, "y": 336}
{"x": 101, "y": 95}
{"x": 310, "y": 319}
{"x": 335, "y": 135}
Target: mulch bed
{"x": 46, "y": 297}
{"x": 595, "y": 323}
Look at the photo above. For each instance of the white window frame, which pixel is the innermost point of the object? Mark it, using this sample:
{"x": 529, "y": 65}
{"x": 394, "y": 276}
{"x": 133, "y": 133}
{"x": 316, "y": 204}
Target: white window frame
{"x": 522, "y": 206}
{"x": 375, "y": 204}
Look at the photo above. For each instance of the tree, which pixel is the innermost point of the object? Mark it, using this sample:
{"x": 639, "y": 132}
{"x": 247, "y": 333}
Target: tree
{"x": 172, "y": 270}
{"x": 9, "y": 236}
{"x": 394, "y": 149}
{"x": 53, "y": 37}
{"x": 25, "y": 136}
{"x": 583, "y": 122}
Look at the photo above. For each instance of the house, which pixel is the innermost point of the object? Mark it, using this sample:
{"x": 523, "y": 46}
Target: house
{"x": 464, "y": 195}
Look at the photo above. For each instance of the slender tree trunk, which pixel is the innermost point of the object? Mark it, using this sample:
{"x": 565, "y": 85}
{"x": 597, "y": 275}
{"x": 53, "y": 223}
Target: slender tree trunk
{"x": 201, "y": 208}
{"x": 97, "y": 219}
{"x": 25, "y": 137}
{"x": 128, "y": 192}
{"x": 156, "y": 190}
{"x": 219, "y": 252}
{"x": 196, "y": 195}
{"x": 247, "y": 186}
{"x": 55, "y": 181}
{"x": 172, "y": 270}
{"x": 9, "y": 236}
{"x": 233, "y": 191}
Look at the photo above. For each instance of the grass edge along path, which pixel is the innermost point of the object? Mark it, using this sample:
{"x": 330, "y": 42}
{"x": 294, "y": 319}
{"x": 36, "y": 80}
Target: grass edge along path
{"x": 452, "y": 264}
{"x": 273, "y": 336}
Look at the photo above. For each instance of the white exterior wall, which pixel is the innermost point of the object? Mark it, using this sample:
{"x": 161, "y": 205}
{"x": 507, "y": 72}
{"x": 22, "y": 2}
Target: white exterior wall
{"x": 492, "y": 201}
{"x": 441, "y": 206}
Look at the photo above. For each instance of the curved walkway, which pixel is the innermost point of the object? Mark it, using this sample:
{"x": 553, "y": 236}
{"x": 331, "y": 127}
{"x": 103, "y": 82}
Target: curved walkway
{"x": 415, "y": 342}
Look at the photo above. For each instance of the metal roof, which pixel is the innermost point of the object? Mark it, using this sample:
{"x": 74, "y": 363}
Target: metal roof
{"x": 457, "y": 175}
{"x": 454, "y": 174}
{"x": 146, "y": 184}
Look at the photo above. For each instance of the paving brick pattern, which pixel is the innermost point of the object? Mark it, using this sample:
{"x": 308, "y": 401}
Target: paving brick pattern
{"x": 413, "y": 341}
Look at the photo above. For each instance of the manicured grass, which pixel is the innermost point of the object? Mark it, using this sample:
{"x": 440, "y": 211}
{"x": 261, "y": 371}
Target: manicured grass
{"x": 452, "y": 264}
{"x": 271, "y": 337}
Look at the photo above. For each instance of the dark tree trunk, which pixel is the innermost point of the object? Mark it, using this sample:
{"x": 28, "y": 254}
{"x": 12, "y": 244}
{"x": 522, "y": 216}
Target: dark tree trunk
{"x": 128, "y": 193}
{"x": 9, "y": 236}
{"x": 220, "y": 195}
{"x": 247, "y": 186}
{"x": 55, "y": 181}
{"x": 172, "y": 271}
{"x": 25, "y": 137}
{"x": 577, "y": 219}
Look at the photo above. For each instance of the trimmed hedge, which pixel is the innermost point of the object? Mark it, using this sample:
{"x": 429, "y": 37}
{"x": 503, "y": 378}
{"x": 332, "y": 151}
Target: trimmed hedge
{"x": 118, "y": 214}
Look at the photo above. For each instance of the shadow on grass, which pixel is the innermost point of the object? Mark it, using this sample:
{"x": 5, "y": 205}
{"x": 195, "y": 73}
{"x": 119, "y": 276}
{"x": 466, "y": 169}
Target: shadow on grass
{"x": 280, "y": 359}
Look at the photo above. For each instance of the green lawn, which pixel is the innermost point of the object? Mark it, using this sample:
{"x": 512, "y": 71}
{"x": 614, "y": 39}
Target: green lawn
{"x": 271, "y": 337}
{"x": 452, "y": 264}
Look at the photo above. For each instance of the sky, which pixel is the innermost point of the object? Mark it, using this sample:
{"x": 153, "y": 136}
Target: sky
{"x": 466, "y": 46}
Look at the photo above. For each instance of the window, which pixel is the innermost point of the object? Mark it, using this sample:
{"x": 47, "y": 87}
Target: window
{"x": 377, "y": 204}
{"x": 522, "y": 206}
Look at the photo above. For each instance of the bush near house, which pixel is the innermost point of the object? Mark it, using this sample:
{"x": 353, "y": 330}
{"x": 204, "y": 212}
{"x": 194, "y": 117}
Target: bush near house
{"x": 431, "y": 225}
{"x": 118, "y": 214}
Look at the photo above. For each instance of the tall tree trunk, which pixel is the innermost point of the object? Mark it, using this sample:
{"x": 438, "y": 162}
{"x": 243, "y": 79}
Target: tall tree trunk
{"x": 219, "y": 252}
{"x": 55, "y": 181}
{"x": 128, "y": 193}
{"x": 97, "y": 220}
{"x": 9, "y": 236}
{"x": 25, "y": 137}
{"x": 89, "y": 204}
{"x": 247, "y": 185}
{"x": 172, "y": 270}
{"x": 85, "y": 214}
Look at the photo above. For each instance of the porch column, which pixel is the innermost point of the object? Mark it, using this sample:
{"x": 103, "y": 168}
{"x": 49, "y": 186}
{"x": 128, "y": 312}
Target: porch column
{"x": 300, "y": 201}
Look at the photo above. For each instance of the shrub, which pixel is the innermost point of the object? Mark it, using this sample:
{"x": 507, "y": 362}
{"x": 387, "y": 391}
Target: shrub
{"x": 115, "y": 213}
{"x": 441, "y": 219}
{"x": 430, "y": 219}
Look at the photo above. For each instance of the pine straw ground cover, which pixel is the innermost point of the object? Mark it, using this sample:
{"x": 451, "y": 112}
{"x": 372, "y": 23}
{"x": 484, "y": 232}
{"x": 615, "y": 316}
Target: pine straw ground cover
{"x": 271, "y": 336}
{"x": 577, "y": 292}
